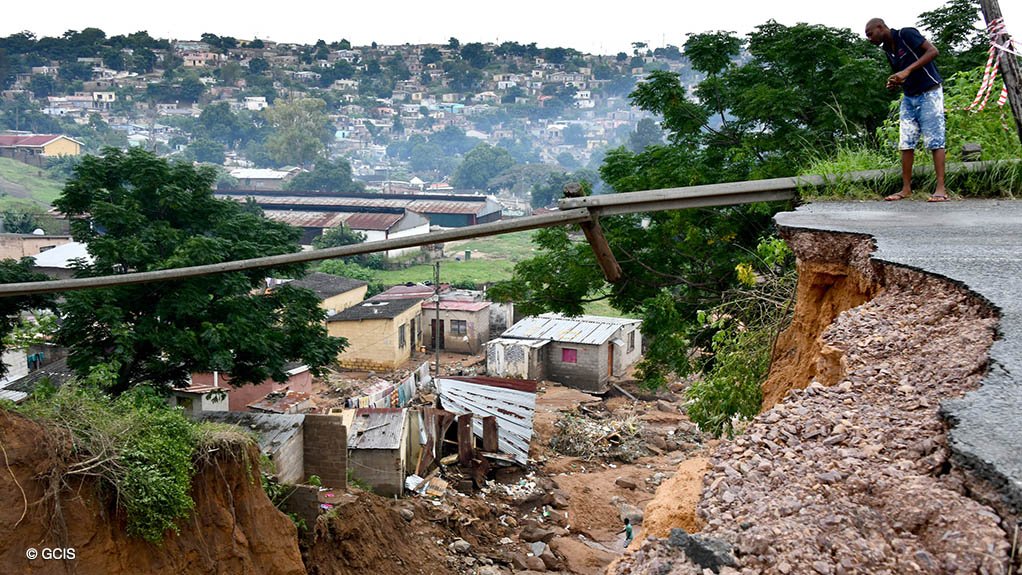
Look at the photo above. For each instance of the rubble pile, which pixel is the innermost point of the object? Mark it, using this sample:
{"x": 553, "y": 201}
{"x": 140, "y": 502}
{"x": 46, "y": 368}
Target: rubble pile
{"x": 590, "y": 439}
{"x": 855, "y": 477}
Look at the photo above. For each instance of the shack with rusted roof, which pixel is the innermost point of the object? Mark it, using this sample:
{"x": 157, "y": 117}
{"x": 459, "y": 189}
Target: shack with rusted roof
{"x": 377, "y": 447}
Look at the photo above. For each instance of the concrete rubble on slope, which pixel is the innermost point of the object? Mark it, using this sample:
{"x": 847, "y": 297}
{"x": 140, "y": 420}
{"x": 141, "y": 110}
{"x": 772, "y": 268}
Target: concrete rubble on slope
{"x": 861, "y": 476}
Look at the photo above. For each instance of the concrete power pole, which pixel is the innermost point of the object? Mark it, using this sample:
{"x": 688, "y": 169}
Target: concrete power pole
{"x": 1007, "y": 63}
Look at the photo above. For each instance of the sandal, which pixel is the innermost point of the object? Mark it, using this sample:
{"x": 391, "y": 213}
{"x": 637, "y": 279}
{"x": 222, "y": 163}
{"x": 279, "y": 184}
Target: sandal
{"x": 898, "y": 196}
{"x": 938, "y": 198}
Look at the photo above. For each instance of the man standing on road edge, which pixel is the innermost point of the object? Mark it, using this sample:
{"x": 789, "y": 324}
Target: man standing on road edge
{"x": 922, "y": 106}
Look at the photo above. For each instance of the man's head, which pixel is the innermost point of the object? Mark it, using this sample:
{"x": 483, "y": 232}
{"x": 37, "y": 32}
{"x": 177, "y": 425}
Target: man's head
{"x": 877, "y": 32}
{"x": 627, "y": 521}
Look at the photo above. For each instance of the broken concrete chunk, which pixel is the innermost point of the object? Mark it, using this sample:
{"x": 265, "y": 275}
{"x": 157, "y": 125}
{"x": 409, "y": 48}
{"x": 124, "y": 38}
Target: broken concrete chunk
{"x": 706, "y": 552}
{"x": 461, "y": 546}
{"x": 626, "y": 483}
{"x": 533, "y": 534}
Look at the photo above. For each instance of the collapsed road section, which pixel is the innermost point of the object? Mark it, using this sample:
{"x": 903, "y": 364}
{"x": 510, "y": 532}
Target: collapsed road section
{"x": 889, "y": 442}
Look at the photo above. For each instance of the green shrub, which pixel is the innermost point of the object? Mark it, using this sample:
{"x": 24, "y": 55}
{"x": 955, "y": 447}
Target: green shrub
{"x": 140, "y": 450}
{"x": 741, "y": 332}
{"x": 993, "y": 129}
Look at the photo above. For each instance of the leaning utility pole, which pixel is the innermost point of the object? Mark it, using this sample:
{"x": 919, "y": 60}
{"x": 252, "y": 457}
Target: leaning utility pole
{"x": 1007, "y": 62}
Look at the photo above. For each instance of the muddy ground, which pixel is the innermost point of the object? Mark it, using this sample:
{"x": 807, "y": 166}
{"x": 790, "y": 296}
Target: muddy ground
{"x": 594, "y": 461}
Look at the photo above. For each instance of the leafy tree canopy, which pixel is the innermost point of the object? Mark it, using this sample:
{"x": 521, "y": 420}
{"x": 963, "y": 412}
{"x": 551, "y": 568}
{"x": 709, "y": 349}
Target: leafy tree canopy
{"x": 783, "y": 100}
{"x": 301, "y": 130}
{"x": 11, "y": 308}
{"x": 328, "y": 176}
{"x": 481, "y": 164}
{"x": 137, "y": 212}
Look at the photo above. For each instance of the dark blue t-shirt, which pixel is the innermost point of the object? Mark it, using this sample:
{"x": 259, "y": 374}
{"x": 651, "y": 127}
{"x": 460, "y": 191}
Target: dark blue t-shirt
{"x": 908, "y": 47}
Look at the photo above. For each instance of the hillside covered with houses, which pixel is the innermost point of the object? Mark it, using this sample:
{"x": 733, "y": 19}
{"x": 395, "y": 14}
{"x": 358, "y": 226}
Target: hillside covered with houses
{"x": 503, "y": 119}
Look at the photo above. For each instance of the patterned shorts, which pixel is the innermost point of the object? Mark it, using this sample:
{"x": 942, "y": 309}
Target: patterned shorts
{"x": 922, "y": 115}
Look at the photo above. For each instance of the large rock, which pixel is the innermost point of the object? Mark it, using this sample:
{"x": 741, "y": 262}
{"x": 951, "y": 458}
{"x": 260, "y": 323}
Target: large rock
{"x": 706, "y": 552}
{"x": 535, "y": 564}
{"x": 626, "y": 483}
{"x": 532, "y": 534}
{"x": 550, "y": 560}
{"x": 461, "y": 546}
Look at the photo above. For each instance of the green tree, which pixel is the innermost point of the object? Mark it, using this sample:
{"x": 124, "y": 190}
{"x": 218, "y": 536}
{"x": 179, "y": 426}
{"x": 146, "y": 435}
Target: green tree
{"x": 258, "y": 66}
{"x": 42, "y": 85}
{"x": 206, "y": 151}
{"x": 301, "y": 130}
{"x": 807, "y": 84}
{"x": 342, "y": 235}
{"x": 481, "y": 164}
{"x": 18, "y": 222}
{"x": 647, "y": 133}
{"x": 137, "y": 212}
{"x": 574, "y": 135}
{"x": 330, "y": 177}
{"x": 219, "y": 123}
{"x": 475, "y": 54}
{"x": 547, "y": 192}
{"x": 143, "y": 60}
{"x": 953, "y": 29}
{"x": 430, "y": 55}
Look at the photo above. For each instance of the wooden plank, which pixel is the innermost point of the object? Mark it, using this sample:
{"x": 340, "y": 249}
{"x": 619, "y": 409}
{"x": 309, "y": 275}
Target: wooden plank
{"x": 490, "y": 433}
{"x": 465, "y": 440}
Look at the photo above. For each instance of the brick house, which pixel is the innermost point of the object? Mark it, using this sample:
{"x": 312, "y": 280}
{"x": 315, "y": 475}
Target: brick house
{"x": 582, "y": 352}
{"x": 381, "y": 333}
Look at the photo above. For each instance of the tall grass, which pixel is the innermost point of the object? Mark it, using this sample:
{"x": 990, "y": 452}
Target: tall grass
{"x": 992, "y": 128}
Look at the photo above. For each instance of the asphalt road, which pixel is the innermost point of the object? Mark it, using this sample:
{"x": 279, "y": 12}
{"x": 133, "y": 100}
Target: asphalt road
{"x": 978, "y": 244}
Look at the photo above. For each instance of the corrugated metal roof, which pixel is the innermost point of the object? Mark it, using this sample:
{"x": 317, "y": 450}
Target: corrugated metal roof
{"x": 381, "y": 222}
{"x": 510, "y": 401}
{"x": 376, "y": 428}
{"x": 514, "y": 341}
{"x": 322, "y": 219}
{"x": 259, "y": 174}
{"x": 414, "y": 291}
{"x": 327, "y": 285}
{"x": 589, "y": 330}
{"x": 375, "y": 309}
{"x": 32, "y": 140}
{"x": 446, "y": 207}
{"x": 303, "y": 219}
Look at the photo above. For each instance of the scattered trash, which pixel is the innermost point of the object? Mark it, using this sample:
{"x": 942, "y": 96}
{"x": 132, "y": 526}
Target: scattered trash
{"x": 590, "y": 439}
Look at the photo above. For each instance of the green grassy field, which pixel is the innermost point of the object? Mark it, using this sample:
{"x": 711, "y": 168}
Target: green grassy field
{"x": 451, "y": 271}
{"x": 515, "y": 246}
{"x": 23, "y": 186}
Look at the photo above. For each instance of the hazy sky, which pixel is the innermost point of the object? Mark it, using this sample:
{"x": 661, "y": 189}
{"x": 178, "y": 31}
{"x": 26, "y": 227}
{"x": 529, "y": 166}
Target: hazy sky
{"x": 596, "y": 27}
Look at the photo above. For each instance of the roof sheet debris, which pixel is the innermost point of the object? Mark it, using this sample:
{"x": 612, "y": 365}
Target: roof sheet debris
{"x": 512, "y": 402}
{"x": 377, "y": 429}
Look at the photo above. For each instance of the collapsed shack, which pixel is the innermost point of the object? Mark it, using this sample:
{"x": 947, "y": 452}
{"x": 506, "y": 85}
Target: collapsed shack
{"x": 485, "y": 425}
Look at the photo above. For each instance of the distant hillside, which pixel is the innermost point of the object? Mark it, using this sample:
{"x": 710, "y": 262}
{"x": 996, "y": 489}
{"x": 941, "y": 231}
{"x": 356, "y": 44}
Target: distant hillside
{"x": 26, "y": 187}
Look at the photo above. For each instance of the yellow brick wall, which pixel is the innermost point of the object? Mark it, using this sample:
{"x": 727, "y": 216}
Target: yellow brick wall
{"x": 62, "y": 147}
{"x": 16, "y": 246}
{"x": 373, "y": 343}
{"x": 343, "y": 301}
